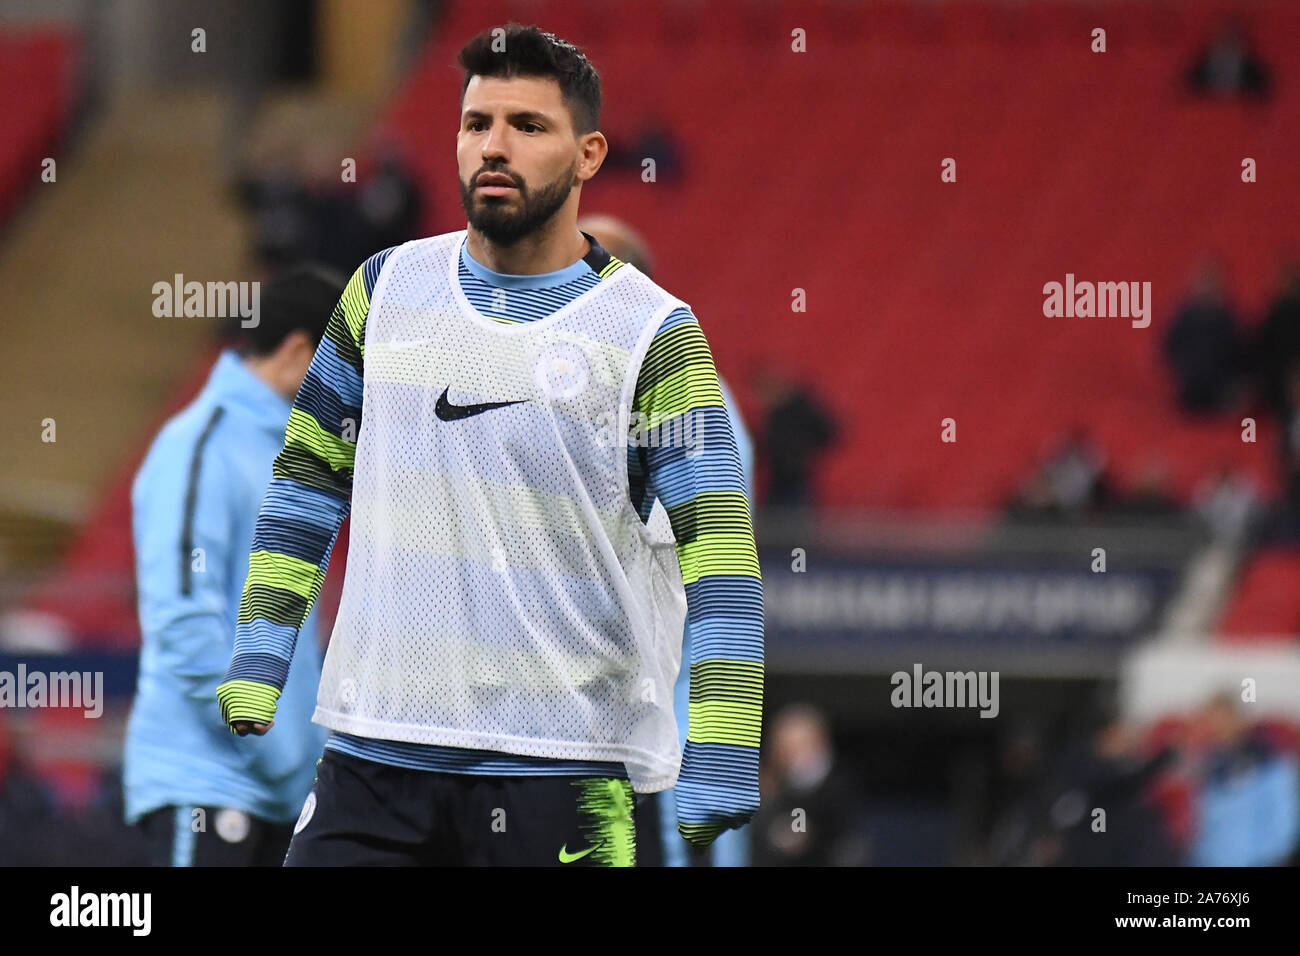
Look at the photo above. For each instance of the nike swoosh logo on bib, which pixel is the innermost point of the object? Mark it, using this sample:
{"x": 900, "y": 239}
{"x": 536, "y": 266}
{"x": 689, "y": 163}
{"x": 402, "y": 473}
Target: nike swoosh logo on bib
{"x": 448, "y": 412}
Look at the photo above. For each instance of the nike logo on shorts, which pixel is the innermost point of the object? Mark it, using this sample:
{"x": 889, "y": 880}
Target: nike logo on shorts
{"x": 567, "y": 857}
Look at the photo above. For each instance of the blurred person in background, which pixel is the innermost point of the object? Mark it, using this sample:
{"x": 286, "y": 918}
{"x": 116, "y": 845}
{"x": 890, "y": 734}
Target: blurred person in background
{"x": 1229, "y": 66}
{"x": 1069, "y": 483}
{"x": 1017, "y": 769}
{"x": 1228, "y": 503}
{"x": 87, "y": 825}
{"x": 809, "y": 809}
{"x": 274, "y": 191}
{"x": 1276, "y": 345}
{"x": 1109, "y": 772}
{"x": 194, "y": 504}
{"x": 655, "y": 140}
{"x": 1033, "y": 500}
{"x": 28, "y": 825}
{"x": 1286, "y": 524}
{"x": 1204, "y": 346}
{"x": 797, "y": 431}
{"x": 1077, "y": 476}
{"x": 732, "y": 847}
{"x": 1152, "y": 493}
{"x": 1247, "y": 804}
{"x": 351, "y": 221}
{"x": 336, "y": 235}
{"x": 1099, "y": 767}
{"x": 302, "y": 210}
{"x": 389, "y": 205}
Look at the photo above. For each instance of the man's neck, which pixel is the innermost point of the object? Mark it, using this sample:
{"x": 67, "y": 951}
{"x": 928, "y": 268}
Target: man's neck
{"x": 543, "y": 251}
{"x": 260, "y": 369}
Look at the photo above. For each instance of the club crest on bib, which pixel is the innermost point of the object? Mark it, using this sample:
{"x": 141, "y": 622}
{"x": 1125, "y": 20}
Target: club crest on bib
{"x": 347, "y": 692}
{"x": 561, "y": 371}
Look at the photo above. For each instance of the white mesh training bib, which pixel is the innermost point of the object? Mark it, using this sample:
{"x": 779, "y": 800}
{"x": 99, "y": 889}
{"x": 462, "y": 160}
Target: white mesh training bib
{"x": 501, "y": 591}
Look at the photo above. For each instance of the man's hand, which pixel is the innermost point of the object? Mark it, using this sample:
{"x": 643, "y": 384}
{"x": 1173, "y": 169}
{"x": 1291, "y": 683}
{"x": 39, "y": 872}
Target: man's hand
{"x": 706, "y": 806}
{"x": 246, "y": 727}
{"x": 247, "y": 706}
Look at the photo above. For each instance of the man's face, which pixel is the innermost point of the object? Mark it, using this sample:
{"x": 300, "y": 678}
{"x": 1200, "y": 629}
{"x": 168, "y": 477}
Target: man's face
{"x": 519, "y": 129}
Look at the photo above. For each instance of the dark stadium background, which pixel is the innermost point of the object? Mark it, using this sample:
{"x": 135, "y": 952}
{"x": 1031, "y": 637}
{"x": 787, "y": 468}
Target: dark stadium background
{"x": 847, "y": 290}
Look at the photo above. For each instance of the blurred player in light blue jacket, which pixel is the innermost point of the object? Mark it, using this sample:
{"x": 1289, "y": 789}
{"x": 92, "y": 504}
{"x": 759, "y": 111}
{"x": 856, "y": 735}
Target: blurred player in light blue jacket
{"x": 731, "y": 848}
{"x": 201, "y": 794}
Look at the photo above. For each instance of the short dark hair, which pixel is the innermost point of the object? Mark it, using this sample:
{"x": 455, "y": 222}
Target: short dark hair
{"x": 530, "y": 52}
{"x": 303, "y": 298}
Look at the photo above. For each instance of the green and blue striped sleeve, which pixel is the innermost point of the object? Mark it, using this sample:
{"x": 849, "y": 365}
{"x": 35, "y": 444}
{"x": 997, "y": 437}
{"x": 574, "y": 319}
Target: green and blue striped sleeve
{"x": 304, "y": 507}
{"x": 689, "y": 461}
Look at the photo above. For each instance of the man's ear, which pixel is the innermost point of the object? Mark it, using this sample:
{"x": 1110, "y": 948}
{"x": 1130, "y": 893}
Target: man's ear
{"x": 293, "y": 355}
{"x": 298, "y": 344}
{"x": 594, "y": 150}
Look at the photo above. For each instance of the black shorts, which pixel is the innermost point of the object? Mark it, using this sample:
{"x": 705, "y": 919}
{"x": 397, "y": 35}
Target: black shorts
{"x": 364, "y": 813}
{"x": 213, "y": 836}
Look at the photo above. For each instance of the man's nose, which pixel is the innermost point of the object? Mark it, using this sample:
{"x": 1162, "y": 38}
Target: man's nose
{"x": 494, "y": 147}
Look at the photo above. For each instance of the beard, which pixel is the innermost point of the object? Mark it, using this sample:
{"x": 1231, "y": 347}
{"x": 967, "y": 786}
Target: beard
{"x": 504, "y": 223}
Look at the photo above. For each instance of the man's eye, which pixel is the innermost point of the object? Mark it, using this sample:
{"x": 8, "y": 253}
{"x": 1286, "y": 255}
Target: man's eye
{"x": 474, "y": 125}
{"x": 529, "y": 127}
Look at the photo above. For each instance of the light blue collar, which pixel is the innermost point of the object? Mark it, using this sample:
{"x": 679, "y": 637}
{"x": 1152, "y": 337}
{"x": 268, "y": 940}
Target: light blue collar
{"x": 234, "y": 386}
{"x": 505, "y": 280}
